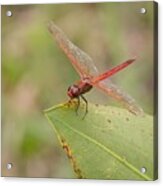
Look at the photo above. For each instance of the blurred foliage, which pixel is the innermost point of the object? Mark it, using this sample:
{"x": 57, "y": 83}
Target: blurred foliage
{"x": 36, "y": 73}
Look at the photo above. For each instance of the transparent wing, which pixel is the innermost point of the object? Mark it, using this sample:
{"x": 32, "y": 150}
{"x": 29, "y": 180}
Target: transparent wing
{"x": 127, "y": 101}
{"x": 80, "y": 60}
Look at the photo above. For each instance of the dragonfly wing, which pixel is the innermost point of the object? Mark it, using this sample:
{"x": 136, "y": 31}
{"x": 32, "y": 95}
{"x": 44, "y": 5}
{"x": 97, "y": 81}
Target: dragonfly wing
{"x": 80, "y": 60}
{"x": 116, "y": 93}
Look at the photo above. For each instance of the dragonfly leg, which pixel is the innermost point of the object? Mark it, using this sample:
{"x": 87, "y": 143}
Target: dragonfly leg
{"x": 78, "y": 104}
{"x": 86, "y": 102}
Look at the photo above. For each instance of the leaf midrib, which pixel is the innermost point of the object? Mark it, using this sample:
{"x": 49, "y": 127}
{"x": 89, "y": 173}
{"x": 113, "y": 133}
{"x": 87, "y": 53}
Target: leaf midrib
{"x": 106, "y": 149}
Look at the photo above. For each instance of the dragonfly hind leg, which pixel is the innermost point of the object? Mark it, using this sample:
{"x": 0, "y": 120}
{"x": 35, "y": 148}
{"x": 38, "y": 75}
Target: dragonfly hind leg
{"x": 86, "y": 103}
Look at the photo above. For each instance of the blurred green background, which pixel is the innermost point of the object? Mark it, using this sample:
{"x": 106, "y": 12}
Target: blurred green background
{"x": 36, "y": 73}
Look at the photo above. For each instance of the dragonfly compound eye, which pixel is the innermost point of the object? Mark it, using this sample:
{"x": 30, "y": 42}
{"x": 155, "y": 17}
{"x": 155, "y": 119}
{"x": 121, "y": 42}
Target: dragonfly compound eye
{"x": 73, "y": 91}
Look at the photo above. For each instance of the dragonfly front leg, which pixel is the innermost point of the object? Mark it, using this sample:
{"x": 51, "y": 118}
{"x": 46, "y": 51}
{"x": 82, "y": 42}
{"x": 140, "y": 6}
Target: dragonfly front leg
{"x": 78, "y": 104}
{"x": 86, "y": 103}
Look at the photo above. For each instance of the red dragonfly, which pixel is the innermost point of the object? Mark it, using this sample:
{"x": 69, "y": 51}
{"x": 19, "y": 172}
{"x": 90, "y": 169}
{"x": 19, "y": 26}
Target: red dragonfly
{"x": 89, "y": 75}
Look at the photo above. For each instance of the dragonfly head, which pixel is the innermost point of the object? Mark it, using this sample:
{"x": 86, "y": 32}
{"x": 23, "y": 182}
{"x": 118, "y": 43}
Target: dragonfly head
{"x": 73, "y": 91}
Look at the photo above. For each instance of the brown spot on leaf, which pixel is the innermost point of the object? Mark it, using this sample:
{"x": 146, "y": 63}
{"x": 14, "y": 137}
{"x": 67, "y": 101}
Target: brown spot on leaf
{"x": 127, "y": 119}
{"x": 96, "y": 105}
{"x": 68, "y": 151}
{"x": 142, "y": 130}
{"x": 108, "y": 120}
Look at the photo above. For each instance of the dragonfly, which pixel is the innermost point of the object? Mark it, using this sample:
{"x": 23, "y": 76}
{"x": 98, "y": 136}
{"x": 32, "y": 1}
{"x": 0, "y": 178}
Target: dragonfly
{"x": 89, "y": 75}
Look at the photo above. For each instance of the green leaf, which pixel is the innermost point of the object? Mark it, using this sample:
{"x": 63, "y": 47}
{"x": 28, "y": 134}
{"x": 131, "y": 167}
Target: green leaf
{"x": 109, "y": 143}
